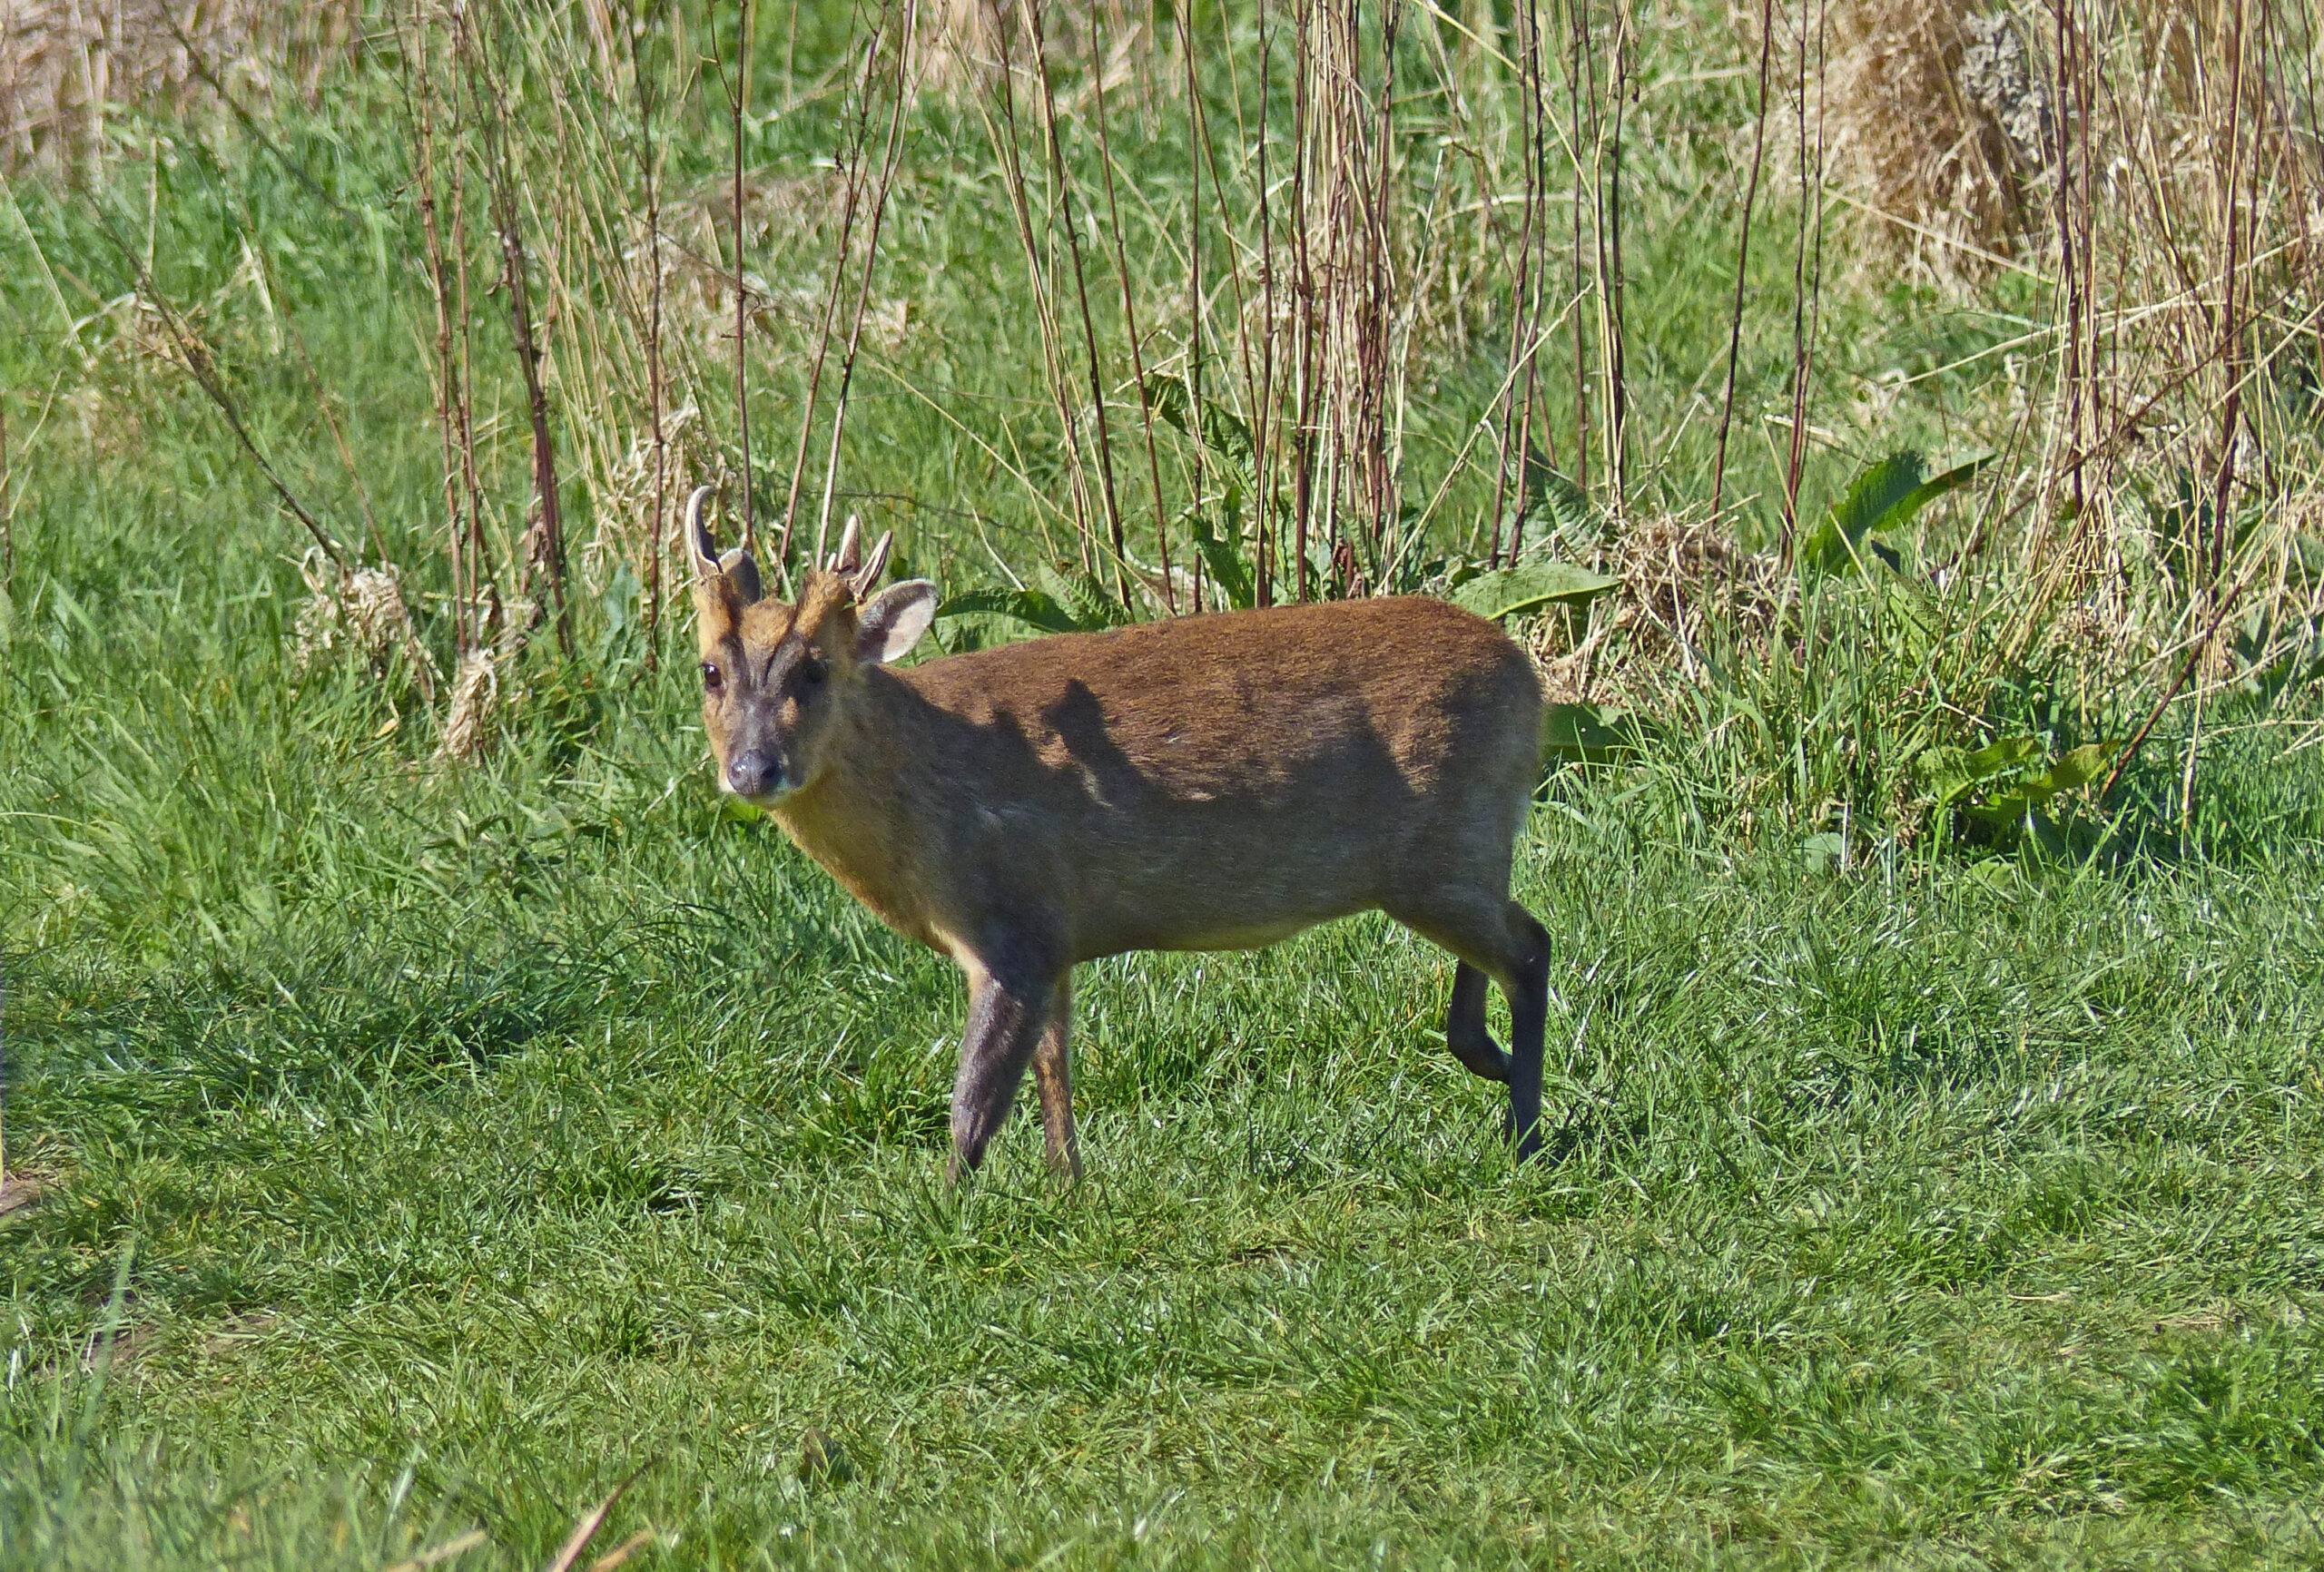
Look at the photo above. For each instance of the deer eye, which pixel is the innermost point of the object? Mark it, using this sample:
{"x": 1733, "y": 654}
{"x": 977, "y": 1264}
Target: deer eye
{"x": 712, "y": 679}
{"x": 811, "y": 671}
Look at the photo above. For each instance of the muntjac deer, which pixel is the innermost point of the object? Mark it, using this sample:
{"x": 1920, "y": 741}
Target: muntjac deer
{"x": 1217, "y": 781}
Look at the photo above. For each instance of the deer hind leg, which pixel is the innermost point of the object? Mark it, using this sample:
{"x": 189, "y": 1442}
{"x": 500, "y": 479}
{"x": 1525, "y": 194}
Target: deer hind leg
{"x": 1465, "y": 1032}
{"x": 1053, "y": 1076}
{"x": 1008, "y": 1010}
{"x": 1496, "y": 937}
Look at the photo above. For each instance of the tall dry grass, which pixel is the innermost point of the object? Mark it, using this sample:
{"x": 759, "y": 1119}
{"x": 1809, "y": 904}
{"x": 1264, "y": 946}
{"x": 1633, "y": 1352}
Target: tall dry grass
{"x": 68, "y": 65}
{"x": 1233, "y": 354}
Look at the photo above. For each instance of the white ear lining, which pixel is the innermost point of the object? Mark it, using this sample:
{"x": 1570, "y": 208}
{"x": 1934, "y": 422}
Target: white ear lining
{"x": 894, "y": 620}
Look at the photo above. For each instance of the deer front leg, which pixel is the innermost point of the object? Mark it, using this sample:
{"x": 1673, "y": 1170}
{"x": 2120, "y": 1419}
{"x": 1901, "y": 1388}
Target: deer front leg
{"x": 1009, "y": 1007}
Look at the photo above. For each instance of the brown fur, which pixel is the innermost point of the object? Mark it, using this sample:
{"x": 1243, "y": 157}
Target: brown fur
{"x": 1210, "y": 782}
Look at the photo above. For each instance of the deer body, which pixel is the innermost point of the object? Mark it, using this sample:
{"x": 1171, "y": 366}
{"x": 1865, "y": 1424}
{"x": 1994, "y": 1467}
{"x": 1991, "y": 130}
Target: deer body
{"x": 1210, "y": 782}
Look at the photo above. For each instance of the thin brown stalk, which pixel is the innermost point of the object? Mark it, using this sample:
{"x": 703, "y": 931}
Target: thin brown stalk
{"x": 194, "y": 355}
{"x": 2071, "y": 381}
{"x": 420, "y": 113}
{"x": 516, "y": 280}
{"x": 483, "y": 578}
{"x": 889, "y": 163}
{"x": 1380, "y": 481}
{"x": 1616, "y": 296}
{"x": 1579, "y": 66}
{"x": 1743, "y": 260}
{"x": 859, "y": 143}
{"x": 1061, "y": 189}
{"x": 1523, "y": 307}
{"x": 649, "y": 162}
{"x": 1137, "y": 352}
{"x": 1305, "y": 69}
{"x": 1009, "y": 147}
{"x": 738, "y": 97}
{"x": 1807, "y": 276}
{"x": 2227, "y": 603}
{"x": 1182, "y": 14}
{"x": 2230, "y": 330}
{"x": 1537, "y": 119}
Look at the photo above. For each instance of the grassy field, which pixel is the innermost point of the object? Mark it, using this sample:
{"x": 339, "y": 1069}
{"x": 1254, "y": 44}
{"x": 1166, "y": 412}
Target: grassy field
{"x": 428, "y": 1148}
{"x": 564, "y": 1126}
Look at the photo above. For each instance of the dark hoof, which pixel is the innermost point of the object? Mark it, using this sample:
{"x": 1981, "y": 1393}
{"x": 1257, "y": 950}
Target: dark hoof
{"x": 1528, "y": 1143}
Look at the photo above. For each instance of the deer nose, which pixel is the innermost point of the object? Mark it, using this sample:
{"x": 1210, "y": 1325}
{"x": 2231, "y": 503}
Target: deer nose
{"x": 752, "y": 773}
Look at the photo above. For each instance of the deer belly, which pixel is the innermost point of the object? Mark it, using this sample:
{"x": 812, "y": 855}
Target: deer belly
{"x": 1224, "y": 892}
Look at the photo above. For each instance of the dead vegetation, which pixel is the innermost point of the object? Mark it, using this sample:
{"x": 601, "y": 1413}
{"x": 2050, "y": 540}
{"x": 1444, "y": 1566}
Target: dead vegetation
{"x": 68, "y": 66}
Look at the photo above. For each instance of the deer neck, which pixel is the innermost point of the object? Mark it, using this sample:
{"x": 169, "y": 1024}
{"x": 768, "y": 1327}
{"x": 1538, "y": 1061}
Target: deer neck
{"x": 852, "y": 818}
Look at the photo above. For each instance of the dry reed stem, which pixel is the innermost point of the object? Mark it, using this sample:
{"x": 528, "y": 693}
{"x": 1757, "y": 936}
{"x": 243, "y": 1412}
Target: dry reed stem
{"x": 490, "y": 96}
{"x": 859, "y": 140}
{"x": 890, "y": 160}
{"x": 192, "y": 354}
{"x": 1062, "y": 193}
{"x": 1743, "y": 260}
{"x": 738, "y": 95}
{"x": 620, "y": 1554}
{"x": 586, "y": 1529}
{"x": 1003, "y": 136}
{"x": 436, "y": 1556}
{"x": 1136, "y": 353}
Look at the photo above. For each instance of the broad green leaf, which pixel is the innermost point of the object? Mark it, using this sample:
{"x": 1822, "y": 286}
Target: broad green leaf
{"x": 2008, "y": 753}
{"x": 1529, "y": 588}
{"x": 2307, "y": 556}
{"x": 1225, "y": 434}
{"x": 1085, "y": 598}
{"x": 2082, "y": 766}
{"x": 1831, "y": 544}
{"x": 1167, "y": 397}
{"x": 1030, "y": 606}
{"x": 1953, "y": 774}
{"x": 1999, "y": 874}
{"x": 1886, "y": 496}
{"x": 1591, "y": 733}
{"x": 1225, "y": 564}
{"x": 2020, "y": 806}
{"x": 2009, "y": 808}
{"x": 1554, "y": 509}
{"x": 1822, "y": 852}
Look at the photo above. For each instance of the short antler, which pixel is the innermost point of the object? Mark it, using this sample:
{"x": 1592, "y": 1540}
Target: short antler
{"x": 849, "y": 555}
{"x": 850, "y": 563}
{"x": 706, "y": 550}
{"x": 869, "y": 574}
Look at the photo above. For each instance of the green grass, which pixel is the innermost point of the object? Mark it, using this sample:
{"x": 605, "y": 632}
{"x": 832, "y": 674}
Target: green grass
{"x": 559, "y": 1124}
{"x": 429, "y": 1150}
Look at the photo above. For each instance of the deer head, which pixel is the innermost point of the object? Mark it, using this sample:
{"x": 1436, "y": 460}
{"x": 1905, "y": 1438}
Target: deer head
{"x": 778, "y": 680}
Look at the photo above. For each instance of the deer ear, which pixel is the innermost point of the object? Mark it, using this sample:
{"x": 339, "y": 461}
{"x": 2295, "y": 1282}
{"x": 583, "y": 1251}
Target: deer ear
{"x": 744, "y": 569}
{"x": 888, "y": 627}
